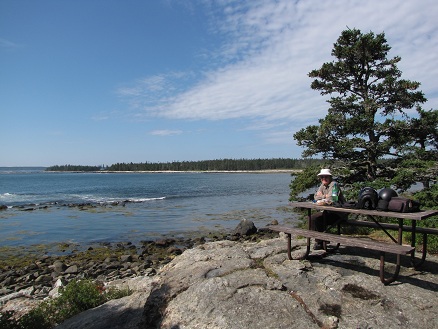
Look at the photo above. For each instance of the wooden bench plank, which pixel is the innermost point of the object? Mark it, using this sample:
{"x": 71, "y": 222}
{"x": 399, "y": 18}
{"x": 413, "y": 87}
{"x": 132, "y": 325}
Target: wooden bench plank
{"x": 347, "y": 241}
{"x": 382, "y": 247}
{"x": 389, "y": 226}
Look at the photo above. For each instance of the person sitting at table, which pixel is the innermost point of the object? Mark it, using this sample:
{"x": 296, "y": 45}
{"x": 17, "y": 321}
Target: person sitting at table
{"x": 325, "y": 192}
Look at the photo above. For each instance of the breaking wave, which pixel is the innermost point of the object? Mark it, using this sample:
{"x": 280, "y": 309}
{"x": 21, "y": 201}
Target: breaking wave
{"x": 12, "y": 200}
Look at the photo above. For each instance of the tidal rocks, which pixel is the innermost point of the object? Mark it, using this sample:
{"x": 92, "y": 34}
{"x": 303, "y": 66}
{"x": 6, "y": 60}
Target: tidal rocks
{"x": 108, "y": 261}
{"x": 42, "y": 276}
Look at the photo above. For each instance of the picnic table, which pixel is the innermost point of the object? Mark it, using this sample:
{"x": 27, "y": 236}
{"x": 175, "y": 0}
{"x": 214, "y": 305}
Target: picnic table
{"x": 374, "y": 220}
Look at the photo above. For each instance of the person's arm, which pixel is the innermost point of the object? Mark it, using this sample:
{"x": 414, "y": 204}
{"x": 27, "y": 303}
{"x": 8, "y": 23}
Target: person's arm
{"x": 319, "y": 195}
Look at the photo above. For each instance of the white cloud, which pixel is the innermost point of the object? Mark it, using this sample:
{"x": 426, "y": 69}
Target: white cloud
{"x": 165, "y": 132}
{"x": 270, "y": 48}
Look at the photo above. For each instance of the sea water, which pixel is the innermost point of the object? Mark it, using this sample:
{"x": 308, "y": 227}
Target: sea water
{"x": 84, "y": 208}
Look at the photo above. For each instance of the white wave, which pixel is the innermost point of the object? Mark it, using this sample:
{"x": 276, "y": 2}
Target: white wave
{"x": 17, "y": 199}
{"x": 146, "y": 199}
{"x": 8, "y": 196}
{"x": 103, "y": 200}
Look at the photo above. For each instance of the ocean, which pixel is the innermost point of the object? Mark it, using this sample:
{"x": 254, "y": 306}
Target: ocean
{"x": 86, "y": 208}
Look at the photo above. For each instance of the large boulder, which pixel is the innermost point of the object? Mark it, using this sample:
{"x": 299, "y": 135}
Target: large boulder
{"x": 245, "y": 227}
{"x": 253, "y": 285}
{"x": 227, "y": 284}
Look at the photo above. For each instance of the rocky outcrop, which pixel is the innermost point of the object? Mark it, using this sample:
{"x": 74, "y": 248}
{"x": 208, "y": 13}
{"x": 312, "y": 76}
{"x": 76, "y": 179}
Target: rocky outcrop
{"x": 245, "y": 227}
{"x": 229, "y": 284}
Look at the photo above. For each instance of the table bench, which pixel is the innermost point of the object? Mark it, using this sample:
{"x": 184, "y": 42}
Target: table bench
{"x": 425, "y": 231}
{"x": 396, "y": 248}
{"x": 382, "y": 247}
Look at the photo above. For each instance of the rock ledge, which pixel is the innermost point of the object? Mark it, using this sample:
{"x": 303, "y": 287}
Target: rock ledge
{"x": 229, "y": 284}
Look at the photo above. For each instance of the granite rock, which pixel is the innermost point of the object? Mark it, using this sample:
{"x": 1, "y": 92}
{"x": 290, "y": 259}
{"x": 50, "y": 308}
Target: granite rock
{"x": 227, "y": 284}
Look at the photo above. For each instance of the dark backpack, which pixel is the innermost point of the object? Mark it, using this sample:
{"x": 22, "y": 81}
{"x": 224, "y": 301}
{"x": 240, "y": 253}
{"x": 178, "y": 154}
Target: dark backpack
{"x": 382, "y": 205}
{"x": 399, "y": 204}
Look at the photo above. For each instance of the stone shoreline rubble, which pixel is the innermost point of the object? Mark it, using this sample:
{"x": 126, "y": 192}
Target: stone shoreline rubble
{"x": 238, "y": 280}
{"x": 42, "y": 276}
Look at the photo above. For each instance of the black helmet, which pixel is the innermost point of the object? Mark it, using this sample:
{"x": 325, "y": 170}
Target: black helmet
{"x": 368, "y": 198}
{"x": 387, "y": 193}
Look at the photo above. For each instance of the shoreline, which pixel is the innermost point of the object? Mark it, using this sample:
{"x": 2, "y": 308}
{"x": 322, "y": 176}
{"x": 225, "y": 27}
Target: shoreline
{"x": 267, "y": 171}
{"x": 37, "y": 267}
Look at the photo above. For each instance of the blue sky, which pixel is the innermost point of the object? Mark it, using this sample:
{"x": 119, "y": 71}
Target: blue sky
{"x": 95, "y": 82}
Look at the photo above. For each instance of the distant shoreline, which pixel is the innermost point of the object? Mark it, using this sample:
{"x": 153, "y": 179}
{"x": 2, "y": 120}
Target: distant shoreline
{"x": 268, "y": 171}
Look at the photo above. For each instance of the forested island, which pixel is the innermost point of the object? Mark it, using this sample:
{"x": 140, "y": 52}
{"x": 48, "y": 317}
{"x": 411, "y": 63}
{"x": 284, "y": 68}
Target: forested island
{"x": 204, "y": 165}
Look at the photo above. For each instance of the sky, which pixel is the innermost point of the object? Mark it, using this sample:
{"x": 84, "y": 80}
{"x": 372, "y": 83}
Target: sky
{"x": 99, "y": 82}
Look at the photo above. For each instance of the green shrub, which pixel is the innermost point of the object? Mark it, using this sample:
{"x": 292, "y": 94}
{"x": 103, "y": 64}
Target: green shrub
{"x": 75, "y": 297}
{"x": 79, "y": 296}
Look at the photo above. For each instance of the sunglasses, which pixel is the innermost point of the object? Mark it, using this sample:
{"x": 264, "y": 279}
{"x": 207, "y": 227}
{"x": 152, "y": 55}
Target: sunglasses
{"x": 325, "y": 177}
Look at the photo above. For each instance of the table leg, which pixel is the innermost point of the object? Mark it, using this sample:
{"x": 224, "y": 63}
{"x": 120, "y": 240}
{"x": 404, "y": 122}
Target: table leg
{"x": 400, "y": 240}
{"x": 289, "y": 239}
{"x": 413, "y": 241}
{"x": 382, "y": 258}
{"x": 382, "y": 270}
{"x": 400, "y": 231}
{"x": 324, "y": 222}
{"x": 414, "y": 263}
{"x": 413, "y": 238}
{"x": 309, "y": 227}
{"x": 289, "y": 246}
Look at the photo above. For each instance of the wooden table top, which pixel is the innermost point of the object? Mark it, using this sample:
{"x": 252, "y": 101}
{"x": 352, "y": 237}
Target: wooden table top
{"x": 411, "y": 215}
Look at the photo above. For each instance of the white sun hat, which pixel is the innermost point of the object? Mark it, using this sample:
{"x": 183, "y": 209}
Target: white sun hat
{"x": 325, "y": 172}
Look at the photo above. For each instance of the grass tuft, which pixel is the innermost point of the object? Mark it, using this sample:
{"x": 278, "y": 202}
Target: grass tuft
{"x": 76, "y": 297}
